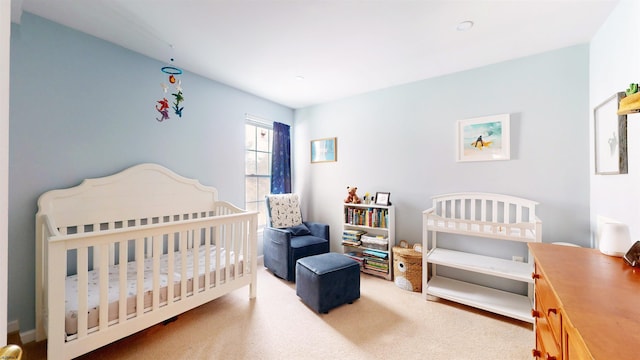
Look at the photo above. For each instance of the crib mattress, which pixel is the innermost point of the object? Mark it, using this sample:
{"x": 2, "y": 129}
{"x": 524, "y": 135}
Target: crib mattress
{"x": 93, "y": 300}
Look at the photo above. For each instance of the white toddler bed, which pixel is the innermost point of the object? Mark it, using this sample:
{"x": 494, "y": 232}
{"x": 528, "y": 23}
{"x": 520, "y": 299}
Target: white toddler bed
{"x": 148, "y": 228}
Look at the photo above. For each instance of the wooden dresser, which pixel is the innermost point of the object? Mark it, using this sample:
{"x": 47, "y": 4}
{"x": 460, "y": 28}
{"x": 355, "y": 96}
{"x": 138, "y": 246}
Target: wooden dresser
{"x": 587, "y": 304}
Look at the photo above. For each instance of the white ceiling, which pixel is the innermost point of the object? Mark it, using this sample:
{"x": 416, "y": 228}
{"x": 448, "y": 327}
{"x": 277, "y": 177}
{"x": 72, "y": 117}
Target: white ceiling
{"x": 339, "y": 47}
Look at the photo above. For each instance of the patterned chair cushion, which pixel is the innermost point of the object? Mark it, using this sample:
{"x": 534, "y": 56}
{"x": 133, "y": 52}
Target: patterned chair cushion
{"x": 284, "y": 210}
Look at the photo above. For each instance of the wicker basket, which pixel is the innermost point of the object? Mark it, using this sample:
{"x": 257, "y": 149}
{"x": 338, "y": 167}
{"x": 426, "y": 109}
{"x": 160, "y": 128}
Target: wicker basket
{"x": 407, "y": 266}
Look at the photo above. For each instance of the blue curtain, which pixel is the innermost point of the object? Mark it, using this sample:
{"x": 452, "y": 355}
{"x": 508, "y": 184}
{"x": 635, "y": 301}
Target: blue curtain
{"x": 281, "y": 162}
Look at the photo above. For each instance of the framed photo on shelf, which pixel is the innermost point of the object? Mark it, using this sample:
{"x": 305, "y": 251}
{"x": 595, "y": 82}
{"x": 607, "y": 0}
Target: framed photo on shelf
{"x": 382, "y": 198}
{"x": 610, "y": 135}
{"x": 483, "y": 139}
{"x": 324, "y": 150}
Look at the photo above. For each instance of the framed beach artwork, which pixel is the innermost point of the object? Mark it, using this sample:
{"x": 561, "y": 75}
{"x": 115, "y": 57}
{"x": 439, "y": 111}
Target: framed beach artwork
{"x": 483, "y": 139}
{"x": 324, "y": 150}
{"x": 610, "y": 134}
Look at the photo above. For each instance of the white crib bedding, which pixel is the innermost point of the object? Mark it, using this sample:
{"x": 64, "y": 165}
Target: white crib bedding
{"x": 93, "y": 300}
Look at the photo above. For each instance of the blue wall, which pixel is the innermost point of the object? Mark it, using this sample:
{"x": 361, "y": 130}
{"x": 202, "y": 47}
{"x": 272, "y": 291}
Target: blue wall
{"x": 81, "y": 107}
{"x": 403, "y": 140}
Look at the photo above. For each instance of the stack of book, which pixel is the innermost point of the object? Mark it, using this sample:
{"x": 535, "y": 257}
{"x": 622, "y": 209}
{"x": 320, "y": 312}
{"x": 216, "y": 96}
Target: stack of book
{"x": 357, "y": 256}
{"x": 376, "y": 260}
{"x": 352, "y": 237}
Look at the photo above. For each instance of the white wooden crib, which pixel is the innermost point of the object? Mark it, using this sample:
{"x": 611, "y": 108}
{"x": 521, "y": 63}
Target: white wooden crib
{"x": 122, "y": 240}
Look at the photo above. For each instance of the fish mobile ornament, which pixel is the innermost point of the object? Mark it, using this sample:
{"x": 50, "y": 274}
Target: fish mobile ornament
{"x": 162, "y": 105}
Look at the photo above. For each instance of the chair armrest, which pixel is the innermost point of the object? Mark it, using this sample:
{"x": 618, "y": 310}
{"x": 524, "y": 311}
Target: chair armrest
{"x": 277, "y": 251}
{"x": 318, "y": 229}
{"x": 277, "y": 236}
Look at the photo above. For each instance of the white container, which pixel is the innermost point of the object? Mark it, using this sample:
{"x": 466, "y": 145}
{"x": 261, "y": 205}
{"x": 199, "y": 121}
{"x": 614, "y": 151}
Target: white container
{"x": 614, "y": 239}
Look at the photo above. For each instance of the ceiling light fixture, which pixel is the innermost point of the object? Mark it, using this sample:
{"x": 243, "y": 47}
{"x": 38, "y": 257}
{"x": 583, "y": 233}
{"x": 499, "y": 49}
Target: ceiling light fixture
{"x": 465, "y": 26}
{"x": 299, "y": 77}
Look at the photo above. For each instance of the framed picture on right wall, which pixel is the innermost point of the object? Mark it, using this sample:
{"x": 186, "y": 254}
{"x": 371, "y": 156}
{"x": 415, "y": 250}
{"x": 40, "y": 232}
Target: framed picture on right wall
{"x": 610, "y": 135}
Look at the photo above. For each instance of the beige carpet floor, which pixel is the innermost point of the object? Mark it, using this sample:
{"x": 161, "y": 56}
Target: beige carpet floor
{"x": 385, "y": 323}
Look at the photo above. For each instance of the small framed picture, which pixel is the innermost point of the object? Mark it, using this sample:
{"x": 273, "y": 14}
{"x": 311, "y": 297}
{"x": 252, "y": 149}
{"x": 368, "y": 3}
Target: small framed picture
{"x": 324, "y": 150}
{"x": 382, "y": 198}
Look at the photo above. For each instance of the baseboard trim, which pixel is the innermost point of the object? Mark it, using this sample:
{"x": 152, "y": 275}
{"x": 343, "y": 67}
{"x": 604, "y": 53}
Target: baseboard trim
{"x": 25, "y": 337}
{"x": 28, "y": 336}
{"x": 13, "y": 326}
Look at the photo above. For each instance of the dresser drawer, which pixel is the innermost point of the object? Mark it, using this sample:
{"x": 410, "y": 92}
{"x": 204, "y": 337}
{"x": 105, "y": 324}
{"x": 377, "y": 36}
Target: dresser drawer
{"x": 547, "y": 344}
{"x": 548, "y": 305}
{"x": 573, "y": 345}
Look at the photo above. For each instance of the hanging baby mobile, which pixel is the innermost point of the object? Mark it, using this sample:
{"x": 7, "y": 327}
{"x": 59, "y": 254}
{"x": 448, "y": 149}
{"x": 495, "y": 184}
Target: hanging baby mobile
{"x": 163, "y": 105}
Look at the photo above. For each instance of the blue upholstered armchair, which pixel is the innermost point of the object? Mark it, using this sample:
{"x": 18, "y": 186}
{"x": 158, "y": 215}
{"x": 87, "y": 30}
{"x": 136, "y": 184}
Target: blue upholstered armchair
{"x": 287, "y": 238}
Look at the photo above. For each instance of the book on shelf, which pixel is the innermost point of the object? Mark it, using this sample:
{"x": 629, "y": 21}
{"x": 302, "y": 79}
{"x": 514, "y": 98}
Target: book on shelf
{"x": 376, "y": 253}
{"x": 384, "y": 271}
{"x": 356, "y": 256}
{"x": 348, "y": 242}
{"x": 355, "y": 233}
{"x": 352, "y": 237}
{"x": 376, "y": 265}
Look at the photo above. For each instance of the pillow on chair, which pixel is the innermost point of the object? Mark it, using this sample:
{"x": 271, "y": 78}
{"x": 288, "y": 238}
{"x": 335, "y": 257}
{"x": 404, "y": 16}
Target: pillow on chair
{"x": 284, "y": 210}
{"x": 299, "y": 230}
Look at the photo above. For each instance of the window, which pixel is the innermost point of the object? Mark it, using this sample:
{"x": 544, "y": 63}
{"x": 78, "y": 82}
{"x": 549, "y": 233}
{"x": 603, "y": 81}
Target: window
{"x": 257, "y": 174}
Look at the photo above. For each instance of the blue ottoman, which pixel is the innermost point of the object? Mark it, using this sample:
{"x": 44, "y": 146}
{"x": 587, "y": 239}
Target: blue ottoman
{"x": 328, "y": 280}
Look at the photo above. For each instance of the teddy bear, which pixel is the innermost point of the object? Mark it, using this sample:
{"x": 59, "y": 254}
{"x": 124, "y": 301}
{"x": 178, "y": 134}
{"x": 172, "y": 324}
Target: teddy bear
{"x": 352, "y": 198}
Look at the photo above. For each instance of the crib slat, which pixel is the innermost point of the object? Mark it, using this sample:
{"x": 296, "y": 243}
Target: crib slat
{"x": 83, "y": 285}
{"x": 463, "y": 209}
{"x": 183, "y": 265}
{"x": 505, "y": 210}
{"x": 139, "y": 256}
{"x": 252, "y": 254}
{"x": 171, "y": 244}
{"x": 248, "y": 255}
{"x": 233, "y": 252}
{"x": 196, "y": 260}
{"x": 122, "y": 272}
{"x": 473, "y": 209}
{"x": 157, "y": 253}
{"x": 207, "y": 258}
{"x": 55, "y": 296}
{"x": 491, "y": 207}
{"x": 452, "y": 205}
{"x": 219, "y": 248}
{"x": 112, "y": 254}
{"x": 103, "y": 261}
{"x": 148, "y": 247}
{"x": 241, "y": 252}
{"x": 239, "y": 234}
{"x": 228, "y": 248}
